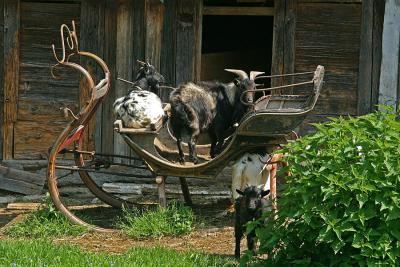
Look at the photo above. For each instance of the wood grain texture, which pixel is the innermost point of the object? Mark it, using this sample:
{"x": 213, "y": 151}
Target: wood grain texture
{"x": 278, "y": 43}
{"x": 379, "y": 11}
{"x": 124, "y": 62}
{"x": 329, "y": 35}
{"x": 39, "y": 120}
{"x": 390, "y": 54}
{"x": 1, "y": 75}
{"x": 168, "y": 46}
{"x": 188, "y": 27}
{"x": 11, "y": 71}
{"x": 91, "y": 40}
{"x": 365, "y": 62}
{"x": 110, "y": 42}
{"x": 154, "y": 23}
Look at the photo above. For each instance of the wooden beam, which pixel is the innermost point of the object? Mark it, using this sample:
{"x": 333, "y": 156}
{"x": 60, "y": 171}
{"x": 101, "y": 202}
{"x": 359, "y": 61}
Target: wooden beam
{"x": 238, "y": 11}
{"x": 390, "y": 54}
{"x": 20, "y": 181}
{"x": 379, "y": 12}
{"x": 11, "y": 73}
{"x": 365, "y": 61}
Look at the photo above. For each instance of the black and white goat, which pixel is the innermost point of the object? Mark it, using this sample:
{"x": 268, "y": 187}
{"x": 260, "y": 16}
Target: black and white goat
{"x": 141, "y": 106}
{"x": 249, "y": 206}
{"x": 209, "y": 107}
{"x": 251, "y": 169}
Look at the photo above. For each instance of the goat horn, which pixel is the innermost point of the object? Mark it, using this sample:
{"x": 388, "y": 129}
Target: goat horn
{"x": 141, "y": 62}
{"x": 240, "y": 73}
{"x": 254, "y": 74}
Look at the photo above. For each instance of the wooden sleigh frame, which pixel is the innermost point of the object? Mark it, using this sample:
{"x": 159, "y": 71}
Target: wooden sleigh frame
{"x": 266, "y": 125}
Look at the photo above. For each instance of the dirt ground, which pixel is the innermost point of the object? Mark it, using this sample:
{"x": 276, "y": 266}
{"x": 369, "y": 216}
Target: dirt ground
{"x": 214, "y": 233}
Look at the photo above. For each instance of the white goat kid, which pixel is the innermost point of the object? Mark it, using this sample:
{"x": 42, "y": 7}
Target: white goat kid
{"x": 250, "y": 170}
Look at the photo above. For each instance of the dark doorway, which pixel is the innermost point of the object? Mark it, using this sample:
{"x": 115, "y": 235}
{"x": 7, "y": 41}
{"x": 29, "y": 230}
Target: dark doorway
{"x": 235, "y": 41}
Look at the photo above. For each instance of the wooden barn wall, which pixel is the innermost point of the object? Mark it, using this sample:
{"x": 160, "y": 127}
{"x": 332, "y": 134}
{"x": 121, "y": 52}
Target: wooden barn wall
{"x": 2, "y": 63}
{"x": 39, "y": 96}
{"x": 327, "y": 33}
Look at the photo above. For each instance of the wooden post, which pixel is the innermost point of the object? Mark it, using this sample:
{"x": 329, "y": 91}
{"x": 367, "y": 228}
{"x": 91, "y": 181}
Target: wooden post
{"x": 272, "y": 181}
{"x": 11, "y": 73}
{"x": 185, "y": 191}
{"x": 365, "y": 61}
{"x": 160, "y": 180}
{"x": 390, "y": 54}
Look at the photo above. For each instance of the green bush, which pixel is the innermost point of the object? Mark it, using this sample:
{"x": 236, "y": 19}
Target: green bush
{"x": 341, "y": 206}
{"x": 44, "y": 222}
{"x": 174, "y": 220}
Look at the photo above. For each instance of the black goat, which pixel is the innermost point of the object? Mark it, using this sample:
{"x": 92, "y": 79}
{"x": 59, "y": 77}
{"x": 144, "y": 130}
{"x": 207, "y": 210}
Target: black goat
{"x": 249, "y": 206}
{"x": 210, "y": 107}
{"x": 148, "y": 78}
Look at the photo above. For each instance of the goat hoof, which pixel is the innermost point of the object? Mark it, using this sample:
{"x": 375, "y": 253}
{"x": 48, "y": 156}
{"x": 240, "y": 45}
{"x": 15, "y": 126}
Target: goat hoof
{"x": 194, "y": 160}
{"x": 181, "y": 161}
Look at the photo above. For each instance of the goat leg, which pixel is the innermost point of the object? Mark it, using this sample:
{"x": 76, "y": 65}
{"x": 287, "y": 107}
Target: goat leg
{"x": 192, "y": 150}
{"x": 238, "y": 229}
{"x": 251, "y": 241}
{"x": 180, "y": 150}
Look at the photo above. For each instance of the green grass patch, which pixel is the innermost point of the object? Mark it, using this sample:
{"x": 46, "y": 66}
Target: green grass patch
{"x": 43, "y": 223}
{"x": 44, "y": 253}
{"x": 175, "y": 220}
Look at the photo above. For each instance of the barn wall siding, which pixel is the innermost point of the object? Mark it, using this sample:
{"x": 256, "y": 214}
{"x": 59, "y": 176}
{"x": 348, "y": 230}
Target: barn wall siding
{"x": 329, "y": 34}
{"x": 39, "y": 120}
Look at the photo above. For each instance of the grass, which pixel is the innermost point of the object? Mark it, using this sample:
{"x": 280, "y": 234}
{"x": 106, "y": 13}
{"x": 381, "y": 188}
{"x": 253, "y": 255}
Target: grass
{"x": 174, "y": 220}
{"x": 44, "y": 253}
{"x": 44, "y": 223}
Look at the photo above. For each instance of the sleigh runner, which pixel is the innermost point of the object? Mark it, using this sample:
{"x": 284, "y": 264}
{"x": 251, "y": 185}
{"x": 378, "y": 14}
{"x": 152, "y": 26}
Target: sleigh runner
{"x": 267, "y": 124}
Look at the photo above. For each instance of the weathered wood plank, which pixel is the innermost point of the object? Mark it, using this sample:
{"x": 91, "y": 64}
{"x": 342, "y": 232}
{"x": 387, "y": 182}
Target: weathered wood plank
{"x": 187, "y": 41}
{"x": 390, "y": 54}
{"x": 153, "y": 37}
{"x": 1, "y": 74}
{"x": 278, "y": 43}
{"x": 21, "y": 175}
{"x": 289, "y": 41}
{"x": 91, "y": 40}
{"x": 168, "y": 51}
{"x": 11, "y": 71}
{"x": 124, "y": 62}
{"x": 329, "y": 34}
{"x": 365, "y": 62}
{"x": 110, "y": 42}
{"x": 238, "y": 11}
{"x": 20, "y": 181}
{"x": 40, "y": 95}
{"x": 379, "y": 11}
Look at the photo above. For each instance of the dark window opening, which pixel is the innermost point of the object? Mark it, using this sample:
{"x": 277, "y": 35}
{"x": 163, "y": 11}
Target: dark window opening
{"x": 237, "y": 42}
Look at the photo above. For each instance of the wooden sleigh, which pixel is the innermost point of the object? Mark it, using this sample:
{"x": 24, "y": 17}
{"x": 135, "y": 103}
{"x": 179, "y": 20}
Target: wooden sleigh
{"x": 267, "y": 125}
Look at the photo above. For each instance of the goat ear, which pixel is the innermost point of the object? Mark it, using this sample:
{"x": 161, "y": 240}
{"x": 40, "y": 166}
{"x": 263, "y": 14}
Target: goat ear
{"x": 239, "y": 192}
{"x": 264, "y": 193}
